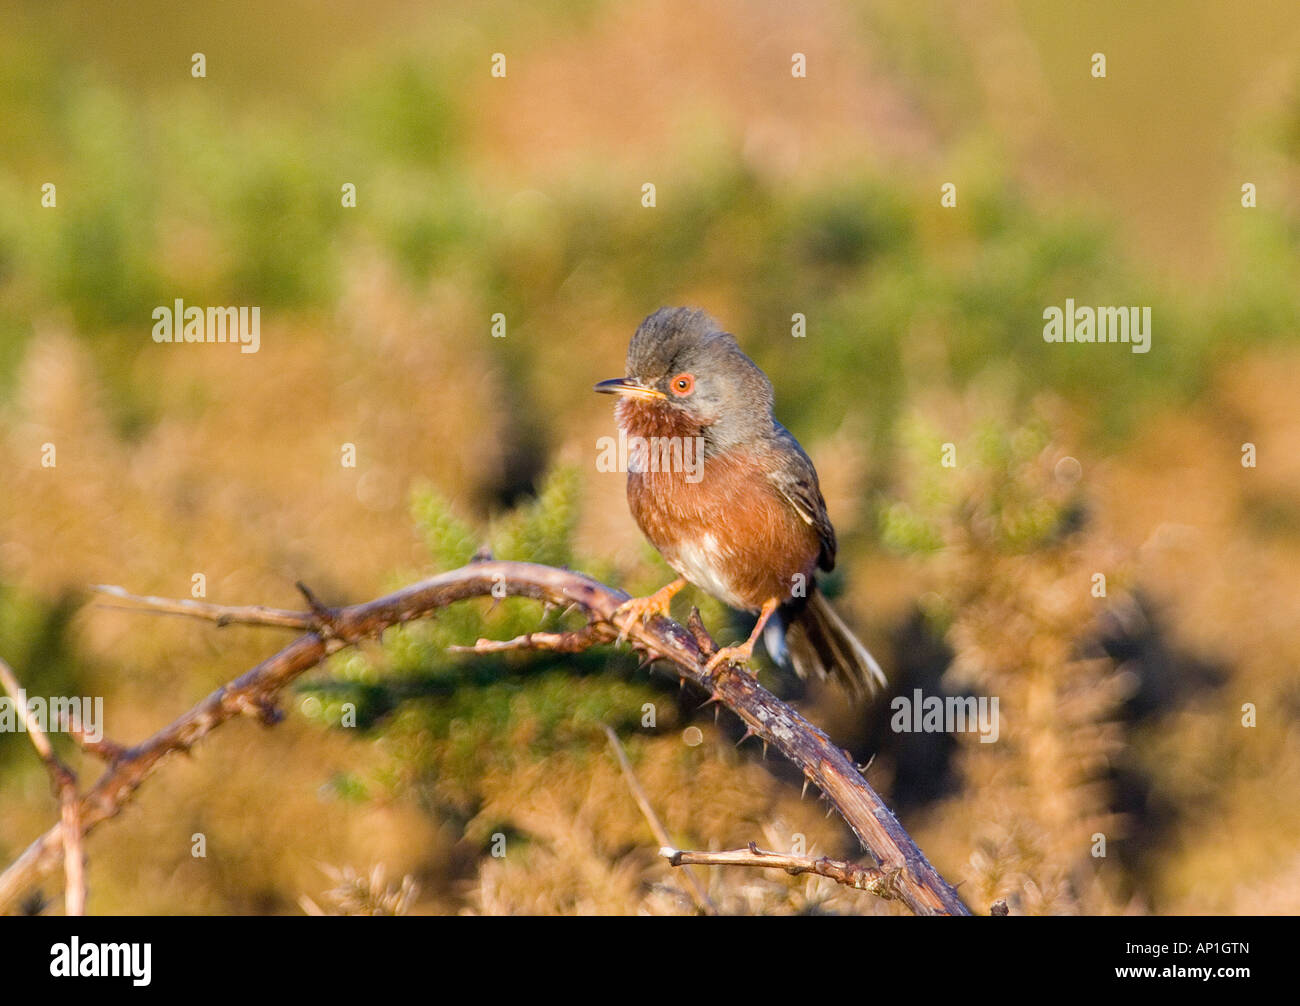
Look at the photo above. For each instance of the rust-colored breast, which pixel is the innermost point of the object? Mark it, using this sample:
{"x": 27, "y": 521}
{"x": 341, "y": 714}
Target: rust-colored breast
{"x": 722, "y": 525}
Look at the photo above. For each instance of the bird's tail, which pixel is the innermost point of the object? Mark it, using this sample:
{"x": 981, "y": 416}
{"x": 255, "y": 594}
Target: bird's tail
{"x": 809, "y": 635}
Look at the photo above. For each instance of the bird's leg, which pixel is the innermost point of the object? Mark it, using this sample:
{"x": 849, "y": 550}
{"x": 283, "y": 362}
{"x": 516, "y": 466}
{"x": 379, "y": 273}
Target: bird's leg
{"x": 638, "y": 609}
{"x": 745, "y": 651}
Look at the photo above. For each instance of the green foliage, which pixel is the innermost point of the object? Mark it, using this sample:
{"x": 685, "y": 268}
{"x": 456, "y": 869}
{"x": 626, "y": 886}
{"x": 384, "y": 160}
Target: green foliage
{"x": 442, "y": 748}
{"x": 999, "y": 496}
{"x": 450, "y": 540}
{"x": 35, "y": 639}
{"x": 447, "y": 717}
{"x": 542, "y": 531}
{"x": 868, "y": 257}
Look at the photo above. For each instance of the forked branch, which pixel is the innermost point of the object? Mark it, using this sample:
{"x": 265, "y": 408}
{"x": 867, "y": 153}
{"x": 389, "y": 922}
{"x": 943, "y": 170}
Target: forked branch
{"x": 879, "y": 882}
{"x": 915, "y": 882}
{"x": 64, "y": 783}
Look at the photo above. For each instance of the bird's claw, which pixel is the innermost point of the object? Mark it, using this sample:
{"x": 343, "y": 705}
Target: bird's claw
{"x": 630, "y": 613}
{"x": 740, "y": 655}
{"x": 641, "y": 609}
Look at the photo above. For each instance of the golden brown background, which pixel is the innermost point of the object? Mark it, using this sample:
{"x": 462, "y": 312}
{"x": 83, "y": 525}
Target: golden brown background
{"x": 521, "y": 195}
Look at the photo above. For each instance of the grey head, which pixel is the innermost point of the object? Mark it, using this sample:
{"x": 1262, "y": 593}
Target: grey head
{"x": 681, "y": 358}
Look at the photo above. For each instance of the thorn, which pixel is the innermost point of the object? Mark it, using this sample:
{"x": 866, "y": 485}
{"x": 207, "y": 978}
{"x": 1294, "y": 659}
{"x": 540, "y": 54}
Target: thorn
{"x": 312, "y": 603}
{"x": 482, "y": 554}
{"x": 804, "y": 792}
{"x": 702, "y": 638}
{"x": 263, "y": 709}
{"x": 324, "y": 617}
{"x": 110, "y": 751}
{"x": 764, "y": 750}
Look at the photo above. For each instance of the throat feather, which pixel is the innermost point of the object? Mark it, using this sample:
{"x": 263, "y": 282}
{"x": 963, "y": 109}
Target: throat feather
{"x": 640, "y": 418}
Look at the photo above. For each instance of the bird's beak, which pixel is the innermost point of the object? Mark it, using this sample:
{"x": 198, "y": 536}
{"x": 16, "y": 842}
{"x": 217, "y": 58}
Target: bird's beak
{"x": 628, "y": 386}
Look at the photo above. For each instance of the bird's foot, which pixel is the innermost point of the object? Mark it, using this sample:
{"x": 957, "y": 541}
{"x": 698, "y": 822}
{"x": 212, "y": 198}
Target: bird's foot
{"x": 641, "y": 609}
{"x": 740, "y": 655}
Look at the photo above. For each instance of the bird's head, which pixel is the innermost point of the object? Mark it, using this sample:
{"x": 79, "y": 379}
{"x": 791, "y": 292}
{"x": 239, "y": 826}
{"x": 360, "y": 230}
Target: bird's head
{"x": 682, "y": 369}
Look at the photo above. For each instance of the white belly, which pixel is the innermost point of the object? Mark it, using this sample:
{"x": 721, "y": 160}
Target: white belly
{"x": 700, "y": 563}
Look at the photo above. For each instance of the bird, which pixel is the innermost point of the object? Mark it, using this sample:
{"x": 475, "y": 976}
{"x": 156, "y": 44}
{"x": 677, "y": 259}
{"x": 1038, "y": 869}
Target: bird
{"x": 747, "y": 523}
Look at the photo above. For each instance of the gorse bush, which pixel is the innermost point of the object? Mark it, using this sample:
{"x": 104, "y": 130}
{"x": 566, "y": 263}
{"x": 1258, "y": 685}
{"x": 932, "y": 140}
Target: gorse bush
{"x": 520, "y": 196}
{"x": 445, "y": 715}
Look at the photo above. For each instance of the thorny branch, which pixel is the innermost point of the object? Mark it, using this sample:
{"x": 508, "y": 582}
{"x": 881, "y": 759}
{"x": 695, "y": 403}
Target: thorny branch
{"x": 65, "y": 787}
{"x": 879, "y": 882}
{"x": 327, "y": 630}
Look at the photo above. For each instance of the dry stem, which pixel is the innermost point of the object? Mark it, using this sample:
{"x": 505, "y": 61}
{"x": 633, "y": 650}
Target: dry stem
{"x": 828, "y": 767}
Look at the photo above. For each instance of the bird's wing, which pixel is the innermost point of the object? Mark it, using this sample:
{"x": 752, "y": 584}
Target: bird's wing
{"x": 796, "y": 479}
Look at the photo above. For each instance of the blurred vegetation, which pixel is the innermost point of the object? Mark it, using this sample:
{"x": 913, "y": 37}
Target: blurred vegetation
{"x": 521, "y": 196}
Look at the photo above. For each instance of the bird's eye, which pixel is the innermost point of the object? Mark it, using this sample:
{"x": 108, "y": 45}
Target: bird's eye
{"x": 683, "y": 384}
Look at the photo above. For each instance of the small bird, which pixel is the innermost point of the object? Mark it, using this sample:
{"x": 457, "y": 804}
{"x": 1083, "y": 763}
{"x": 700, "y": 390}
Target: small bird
{"x": 748, "y": 525}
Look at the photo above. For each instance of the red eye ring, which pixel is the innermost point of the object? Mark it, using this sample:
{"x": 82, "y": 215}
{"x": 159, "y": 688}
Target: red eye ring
{"x": 683, "y": 384}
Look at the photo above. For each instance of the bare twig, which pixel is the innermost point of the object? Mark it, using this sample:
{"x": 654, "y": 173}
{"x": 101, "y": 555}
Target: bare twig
{"x": 560, "y": 642}
{"x": 863, "y": 878}
{"x": 65, "y": 787}
{"x": 253, "y": 614}
{"x": 701, "y": 896}
{"x": 331, "y": 629}
{"x": 102, "y": 748}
